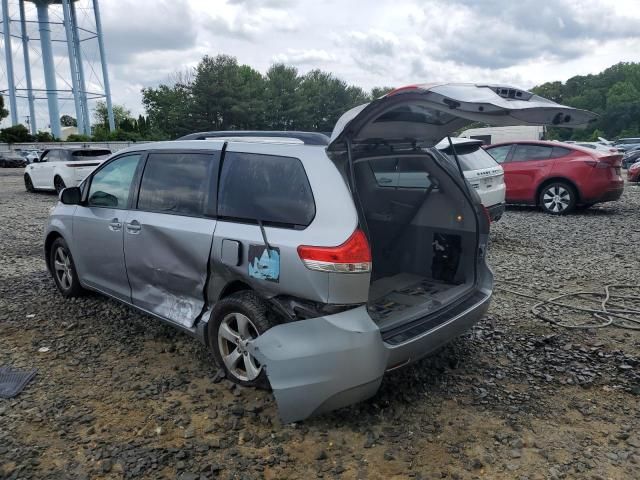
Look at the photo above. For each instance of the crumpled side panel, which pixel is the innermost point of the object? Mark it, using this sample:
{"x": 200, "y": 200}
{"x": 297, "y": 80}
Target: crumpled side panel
{"x": 323, "y": 363}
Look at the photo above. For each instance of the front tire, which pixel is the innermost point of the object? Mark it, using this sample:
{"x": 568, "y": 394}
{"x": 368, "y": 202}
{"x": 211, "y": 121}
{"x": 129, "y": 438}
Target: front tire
{"x": 28, "y": 184}
{"x": 63, "y": 269}
{"x": 235, "y": 320}
{"x": 558, "y": 198}
{"x": 59, "y": 185}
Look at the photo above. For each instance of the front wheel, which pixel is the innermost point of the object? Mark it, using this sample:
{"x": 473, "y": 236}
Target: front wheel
{"x": 235, "y": 321}
{"x": 59, "y": 185}
{"x": 558, "y": 198}
{"x": 28, "y": 184}
{"x": 64, "y": 270}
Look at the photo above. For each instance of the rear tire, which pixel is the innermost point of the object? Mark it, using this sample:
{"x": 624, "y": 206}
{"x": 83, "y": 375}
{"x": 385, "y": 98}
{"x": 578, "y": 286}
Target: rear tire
{"x": 63, "y": 269}
{"x": 59, "y": 185}
{"x": 28, "y": 184}
{"x": 234, "y": 320}
{"x": 558, "y": 198}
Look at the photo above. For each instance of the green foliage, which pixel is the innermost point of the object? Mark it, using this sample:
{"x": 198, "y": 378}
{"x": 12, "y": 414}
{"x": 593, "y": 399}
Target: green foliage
{"x": 614, "y": 94}
{"x": 221, "y": 94}
{"x": 68, "y": 121}
{"x": 15, "y": 134}
{"x": 76, "y": 137}
{"x": 4, "y": 113}
{"x": 44, "y": 137}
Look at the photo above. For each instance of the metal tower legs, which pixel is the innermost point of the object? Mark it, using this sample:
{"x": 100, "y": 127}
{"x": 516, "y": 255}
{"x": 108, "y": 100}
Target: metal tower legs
{"x": 73, "y": 64}
{"x": 83, "y": 88}
{"x": 49, "y": 68}
{"x": 9, "y": 54}
{"x": 27, "y": 71}
{"x": 105, "y": 73}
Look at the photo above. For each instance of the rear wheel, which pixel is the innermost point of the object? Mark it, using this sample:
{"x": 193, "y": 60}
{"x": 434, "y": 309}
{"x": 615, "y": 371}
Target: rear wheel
{"x": 28, "y": 184}
{"x": 558, "y": 198}
{"x": 63, "y": 269}
{"x": 59, "y": 185}
{"x": 235, "y": 321}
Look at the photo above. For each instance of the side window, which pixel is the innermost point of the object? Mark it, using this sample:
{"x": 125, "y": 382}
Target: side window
{"x": 386, "y": 171}
{"x": 45, "y": 156}
{"x": 499, "y": 154}
{"x": 265, "y": 187}
{"x": 111, "y": 184}
{"x": 558, "y": 152}
{"x": 524, "y": 152}
{"x": 177, "y": 183}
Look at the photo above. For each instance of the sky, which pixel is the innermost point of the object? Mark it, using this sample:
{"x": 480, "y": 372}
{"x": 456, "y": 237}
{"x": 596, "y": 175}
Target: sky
{"x": 369, "y": 43}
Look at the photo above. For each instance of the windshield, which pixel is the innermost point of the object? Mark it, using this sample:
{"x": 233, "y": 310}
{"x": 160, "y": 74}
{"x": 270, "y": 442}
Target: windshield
{"x": 83, "y": 154}
{"x": 475, "y": 160}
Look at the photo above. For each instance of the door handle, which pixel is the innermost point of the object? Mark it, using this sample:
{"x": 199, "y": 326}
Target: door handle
{"x": 134, "y": 227}
{"x": 115, "y": 225}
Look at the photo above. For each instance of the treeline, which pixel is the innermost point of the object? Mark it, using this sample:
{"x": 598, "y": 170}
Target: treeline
{"x": 221, "y": 94}
{"x": 614, "y": 94}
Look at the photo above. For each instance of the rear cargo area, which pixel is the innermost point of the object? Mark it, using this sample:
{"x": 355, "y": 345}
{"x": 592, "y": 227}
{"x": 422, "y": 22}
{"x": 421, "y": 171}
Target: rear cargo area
{"x": 422, "y": 232}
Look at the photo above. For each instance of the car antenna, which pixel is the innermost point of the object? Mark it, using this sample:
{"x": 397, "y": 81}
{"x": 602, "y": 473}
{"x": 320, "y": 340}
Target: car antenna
{"x": 264, "y": 238}
{"x": 455, "y": 156}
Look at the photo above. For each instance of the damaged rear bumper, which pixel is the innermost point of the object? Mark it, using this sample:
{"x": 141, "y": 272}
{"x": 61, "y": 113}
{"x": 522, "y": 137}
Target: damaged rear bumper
{"x": 328, "y": 362}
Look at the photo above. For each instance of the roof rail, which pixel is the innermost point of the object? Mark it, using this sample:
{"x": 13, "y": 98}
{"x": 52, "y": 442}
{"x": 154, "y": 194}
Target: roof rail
{"x": 308, "y": 138}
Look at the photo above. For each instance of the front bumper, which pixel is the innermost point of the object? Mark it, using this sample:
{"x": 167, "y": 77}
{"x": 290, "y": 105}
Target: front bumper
{"x": 324, "y": 363}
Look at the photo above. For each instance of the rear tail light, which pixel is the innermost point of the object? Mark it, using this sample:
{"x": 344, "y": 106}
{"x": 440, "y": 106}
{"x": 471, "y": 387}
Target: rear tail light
{"x": 353, "y": 256}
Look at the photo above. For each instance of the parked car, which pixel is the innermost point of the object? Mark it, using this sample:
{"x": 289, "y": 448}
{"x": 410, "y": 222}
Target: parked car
{"x": 558, "y": 176}
{"x": 633, "y": 174}
{"x": 30, "y": 156}
{"x": 482, "y": 172}
{"x": 58, "y": 168}
{"x": 626, "y": 144}
{"x": 292, "y": 261}
{"x": 596, "y": 146}
{"x": 630, "y": 158}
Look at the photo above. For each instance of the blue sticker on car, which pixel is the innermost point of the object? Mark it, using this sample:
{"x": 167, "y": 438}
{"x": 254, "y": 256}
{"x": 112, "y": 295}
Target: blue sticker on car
{"x": 264, "y": 264}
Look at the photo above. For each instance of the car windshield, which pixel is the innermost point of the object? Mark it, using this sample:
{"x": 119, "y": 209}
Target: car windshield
{"x": 84, "y": 154}
{"x": 475, "y": 160}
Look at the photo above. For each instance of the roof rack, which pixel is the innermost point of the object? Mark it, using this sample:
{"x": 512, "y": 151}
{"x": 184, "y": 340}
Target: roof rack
{"x": 308, "y": 138}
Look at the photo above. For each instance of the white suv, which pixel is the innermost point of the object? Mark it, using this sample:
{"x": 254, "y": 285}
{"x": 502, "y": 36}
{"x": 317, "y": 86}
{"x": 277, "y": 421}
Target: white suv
{"x": 59, "y": 168}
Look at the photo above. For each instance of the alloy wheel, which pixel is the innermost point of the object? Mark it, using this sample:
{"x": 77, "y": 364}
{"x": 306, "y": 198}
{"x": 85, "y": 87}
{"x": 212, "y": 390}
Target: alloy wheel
{"x": 62, "y": 267}
{"x": 556, "y": 199}
{"x": 234, "y": 333}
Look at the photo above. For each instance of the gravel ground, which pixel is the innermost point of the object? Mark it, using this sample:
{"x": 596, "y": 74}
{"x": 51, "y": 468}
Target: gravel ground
{"x": 118, "y": 395}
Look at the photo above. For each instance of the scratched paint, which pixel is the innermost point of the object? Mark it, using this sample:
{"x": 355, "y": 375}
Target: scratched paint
{"x": 263, "y": 264}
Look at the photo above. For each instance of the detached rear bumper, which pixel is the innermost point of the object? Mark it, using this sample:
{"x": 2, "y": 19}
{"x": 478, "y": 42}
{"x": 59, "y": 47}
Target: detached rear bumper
{"x": 324, "y": 363}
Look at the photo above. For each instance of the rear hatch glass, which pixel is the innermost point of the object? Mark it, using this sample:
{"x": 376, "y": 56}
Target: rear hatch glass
{"x": 96, "y": 154}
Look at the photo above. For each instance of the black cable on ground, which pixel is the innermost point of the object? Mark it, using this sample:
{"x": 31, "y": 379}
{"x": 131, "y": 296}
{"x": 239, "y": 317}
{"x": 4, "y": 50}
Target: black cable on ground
{"x": 609, "y": 313}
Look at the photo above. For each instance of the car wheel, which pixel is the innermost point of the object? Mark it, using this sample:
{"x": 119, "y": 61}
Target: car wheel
{"x": 28, "y": 184}
{"x": 558, "y": 198}
{"x": 63, "y": 269}
{"x": 59, "y": 185}
{"x": 235, "y": 320}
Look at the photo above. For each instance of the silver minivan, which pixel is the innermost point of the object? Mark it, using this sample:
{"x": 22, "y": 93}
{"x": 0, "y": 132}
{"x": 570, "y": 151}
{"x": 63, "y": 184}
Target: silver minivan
{"x": 302, "y": 267}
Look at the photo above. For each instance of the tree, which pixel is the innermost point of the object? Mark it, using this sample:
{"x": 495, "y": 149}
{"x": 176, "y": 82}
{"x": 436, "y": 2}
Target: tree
{"x": 282, "y": 105}
{"x": 169, "y": 110}
{"x": 44, "y": 137}
{"x": 15, "y": 134}
{"x": 377, "y": 92}
{"x": 101, "y": 117}
{"x": 68, "y": 121}
{"x": 4, "y": 113}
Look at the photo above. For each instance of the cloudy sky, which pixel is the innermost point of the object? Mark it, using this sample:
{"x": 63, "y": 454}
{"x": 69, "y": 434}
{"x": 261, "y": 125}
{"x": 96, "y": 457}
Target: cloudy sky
{"x": 371, "y": 43}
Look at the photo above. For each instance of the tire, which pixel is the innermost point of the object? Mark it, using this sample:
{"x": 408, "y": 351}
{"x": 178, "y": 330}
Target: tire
{"x": 58, "y": 183}
{"x": 63, "y": 269}
{"x": 28, "y": 184}
{"x": 558, "y": 198}
{"x": 234, "y": 319}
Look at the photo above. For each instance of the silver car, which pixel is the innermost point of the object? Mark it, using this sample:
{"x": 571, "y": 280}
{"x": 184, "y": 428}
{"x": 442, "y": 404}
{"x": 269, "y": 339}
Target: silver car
{"x": 291, "y": 257}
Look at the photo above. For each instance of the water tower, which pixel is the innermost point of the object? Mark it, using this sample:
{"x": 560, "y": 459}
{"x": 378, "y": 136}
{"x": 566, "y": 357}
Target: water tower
{"x": 63, "y": 60}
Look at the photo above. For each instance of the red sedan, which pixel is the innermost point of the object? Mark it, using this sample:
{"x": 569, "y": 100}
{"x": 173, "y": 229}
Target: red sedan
{"x": 558, "y": 176}
{"x": 633, "y": 174}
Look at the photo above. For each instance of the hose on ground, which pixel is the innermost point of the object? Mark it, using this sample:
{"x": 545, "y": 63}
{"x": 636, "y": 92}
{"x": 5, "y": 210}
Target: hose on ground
{"x": 609, "y": 313}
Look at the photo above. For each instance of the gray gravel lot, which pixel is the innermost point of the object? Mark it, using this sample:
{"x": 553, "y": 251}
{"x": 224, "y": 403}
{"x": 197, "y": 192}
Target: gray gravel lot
{"x": 119, "y": 395}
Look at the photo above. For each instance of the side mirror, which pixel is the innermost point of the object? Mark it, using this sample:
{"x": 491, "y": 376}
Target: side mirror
{"x": 71, "y": 196}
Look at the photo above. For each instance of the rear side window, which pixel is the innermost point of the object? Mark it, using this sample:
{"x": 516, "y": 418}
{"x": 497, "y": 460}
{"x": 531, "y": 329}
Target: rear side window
{"x": 179, "y": 183}
{"x": 84, "y": 154}
{"x": 269, "y": 188}
{"x": 403, "y": 172}
{"x": 499, "y": 154}
{"x": 560, "y": 152}
{"x": 522, "y": 153}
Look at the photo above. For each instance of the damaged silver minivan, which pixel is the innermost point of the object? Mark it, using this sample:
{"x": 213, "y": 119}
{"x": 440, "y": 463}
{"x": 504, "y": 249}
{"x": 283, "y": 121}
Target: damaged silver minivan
{"x": 308, "y": 266}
